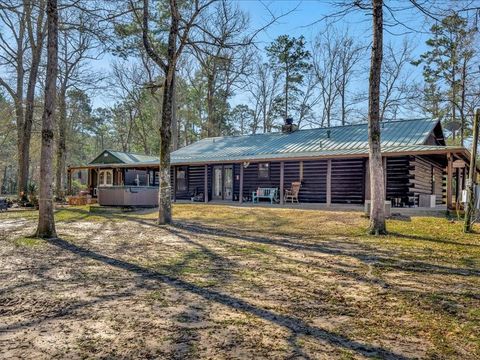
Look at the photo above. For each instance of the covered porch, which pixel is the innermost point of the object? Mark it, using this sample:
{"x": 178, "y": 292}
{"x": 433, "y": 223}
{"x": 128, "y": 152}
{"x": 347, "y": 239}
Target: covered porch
{"x": 119, "y": 185}
{"x": 420, "y": 179}
{"x": 423, "y": 179}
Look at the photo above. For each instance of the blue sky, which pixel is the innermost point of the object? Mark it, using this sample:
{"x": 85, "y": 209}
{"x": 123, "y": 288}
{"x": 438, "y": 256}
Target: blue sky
{"x": 301, "y": 20}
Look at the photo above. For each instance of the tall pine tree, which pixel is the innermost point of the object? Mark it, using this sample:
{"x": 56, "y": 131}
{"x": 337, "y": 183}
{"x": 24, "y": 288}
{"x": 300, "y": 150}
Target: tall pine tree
{"x": 289, "y": 57}
{"x": 447, "y": 69}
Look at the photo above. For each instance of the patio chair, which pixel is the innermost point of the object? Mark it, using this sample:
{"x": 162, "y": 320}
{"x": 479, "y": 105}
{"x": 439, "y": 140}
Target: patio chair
{"x": 292, "y": 193}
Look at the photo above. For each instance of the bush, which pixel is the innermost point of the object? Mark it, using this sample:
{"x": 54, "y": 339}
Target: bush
{"x": 32, "y": 195}
{"x": 77, "y": 186}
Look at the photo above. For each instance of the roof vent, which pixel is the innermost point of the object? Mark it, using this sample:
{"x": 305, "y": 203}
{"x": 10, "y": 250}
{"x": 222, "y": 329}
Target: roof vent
{"x": 289, "y": 126}
{"x": 328, "y": 134}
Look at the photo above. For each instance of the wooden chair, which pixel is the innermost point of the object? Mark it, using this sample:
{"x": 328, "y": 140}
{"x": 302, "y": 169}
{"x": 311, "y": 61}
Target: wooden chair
{"x": 292, "y": 194}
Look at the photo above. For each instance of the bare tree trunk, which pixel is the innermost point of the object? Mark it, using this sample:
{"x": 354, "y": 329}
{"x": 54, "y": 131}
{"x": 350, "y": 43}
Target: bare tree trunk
{"x": 462, "y": 103}
{"x": 342, "y": 102}
{"x": 3, "y": 187}
{"x": 454, "y": 100}
{"x": 164, "y": 193}
{"x": 46, "y": 221}
{"x": 286, "y": 92}
{"x": 20, "y": 176}
{"x": 211, "y": 127}
{"x": 21, "y": 184}
{"x": 24, "y": 160}
{"x": 472, "y": 176}
{"x": 175, "y": 127}
{"x": 36, "y": 43}
{"x": 167, "y": 62}
{"x": 377, "y": 183}
{"x": 61, "y": 145}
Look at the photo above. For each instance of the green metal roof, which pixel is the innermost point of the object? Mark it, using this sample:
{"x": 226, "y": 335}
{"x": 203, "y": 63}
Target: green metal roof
{"x": 120, "y": 157}
{"x": 397, "y": 136}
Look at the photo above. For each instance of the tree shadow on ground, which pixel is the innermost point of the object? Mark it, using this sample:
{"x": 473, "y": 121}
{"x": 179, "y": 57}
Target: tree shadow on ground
{"x": 430, "y": 239}
{"x": 333, "y": 247}
{"x": 297, "y": 326}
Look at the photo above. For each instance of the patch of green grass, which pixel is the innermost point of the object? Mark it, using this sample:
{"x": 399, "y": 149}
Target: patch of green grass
{"x": 205, "y": 283}
{"x": 195, "y": 262}
{"x": 19, "y": 214}
{"x": 158, "y": 298}
{"x": 255, "y": 249}
{"x": 78, "y": 213}
{"x": 29, "y": 242}
{"x": 474, "y": 314}
{"x": 66, "y": 214}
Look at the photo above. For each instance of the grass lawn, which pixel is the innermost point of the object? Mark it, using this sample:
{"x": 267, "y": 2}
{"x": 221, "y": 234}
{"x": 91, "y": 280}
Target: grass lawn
{"x": 234, "y": 282}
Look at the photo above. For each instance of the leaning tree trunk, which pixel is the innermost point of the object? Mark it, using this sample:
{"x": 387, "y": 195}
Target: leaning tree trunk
{"x": 377, "y": 182}
{"x": 46, "y": 221}
{"x": 24, "y": 156}
{"x": 61, "y": 147}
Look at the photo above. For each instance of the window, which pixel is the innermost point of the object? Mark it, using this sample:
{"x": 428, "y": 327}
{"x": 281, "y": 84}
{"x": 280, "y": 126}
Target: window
{"x": 105, "y": 178}
{"x": 181, "y": 178}
{"x": 264, "y": 170}
{"x": 134, "y": 177}
{"x": 433, "y": 180}
{"x": 109, "y": 178}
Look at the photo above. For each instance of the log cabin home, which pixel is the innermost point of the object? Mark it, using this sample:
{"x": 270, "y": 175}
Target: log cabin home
{"x": 331, "y": 164}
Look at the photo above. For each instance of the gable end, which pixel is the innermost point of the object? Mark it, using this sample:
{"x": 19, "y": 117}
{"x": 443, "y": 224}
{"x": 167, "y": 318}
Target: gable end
{"x": 106, "y": 157}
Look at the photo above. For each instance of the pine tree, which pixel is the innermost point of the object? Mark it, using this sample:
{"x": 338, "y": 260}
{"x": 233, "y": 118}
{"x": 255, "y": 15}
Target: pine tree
{"x": 447, "y": 68}
{"x": 288, "y": 56}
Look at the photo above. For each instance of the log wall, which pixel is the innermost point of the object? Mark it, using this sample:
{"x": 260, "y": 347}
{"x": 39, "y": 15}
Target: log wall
{"x": 398, "y": 179}
{"x": 251, "y": 181}
{"x": 314, "y": 184}
{"x": 348, "y": 181}
{"x": 426, "y": 177}
{"x": 196, "y": 180}
{"x": 407, "y": 177}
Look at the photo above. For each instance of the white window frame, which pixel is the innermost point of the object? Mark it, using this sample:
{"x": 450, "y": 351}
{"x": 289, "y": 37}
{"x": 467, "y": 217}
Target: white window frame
{"x": 104, "y": 183}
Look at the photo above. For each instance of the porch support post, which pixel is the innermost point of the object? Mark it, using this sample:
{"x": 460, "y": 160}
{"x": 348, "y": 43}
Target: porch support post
{"x": 459, "y": 184}
{"x": 240, "y": 192}
{"x": 205, "y": 190}
{"x": 301, "y": 171}
{"x": 282, "y": 178}
{"x": 384, "y": 164}
{"x": 449, "y": 180}
{"x": 329, "y": 182}
{"x": 174, "y": 183}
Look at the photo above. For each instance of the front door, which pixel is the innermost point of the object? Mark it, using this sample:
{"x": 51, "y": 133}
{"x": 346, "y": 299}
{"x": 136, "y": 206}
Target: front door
{"x": 228, "y": 182}
{"x": 217, "y": 193}
{"x": 222, "y": 182}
